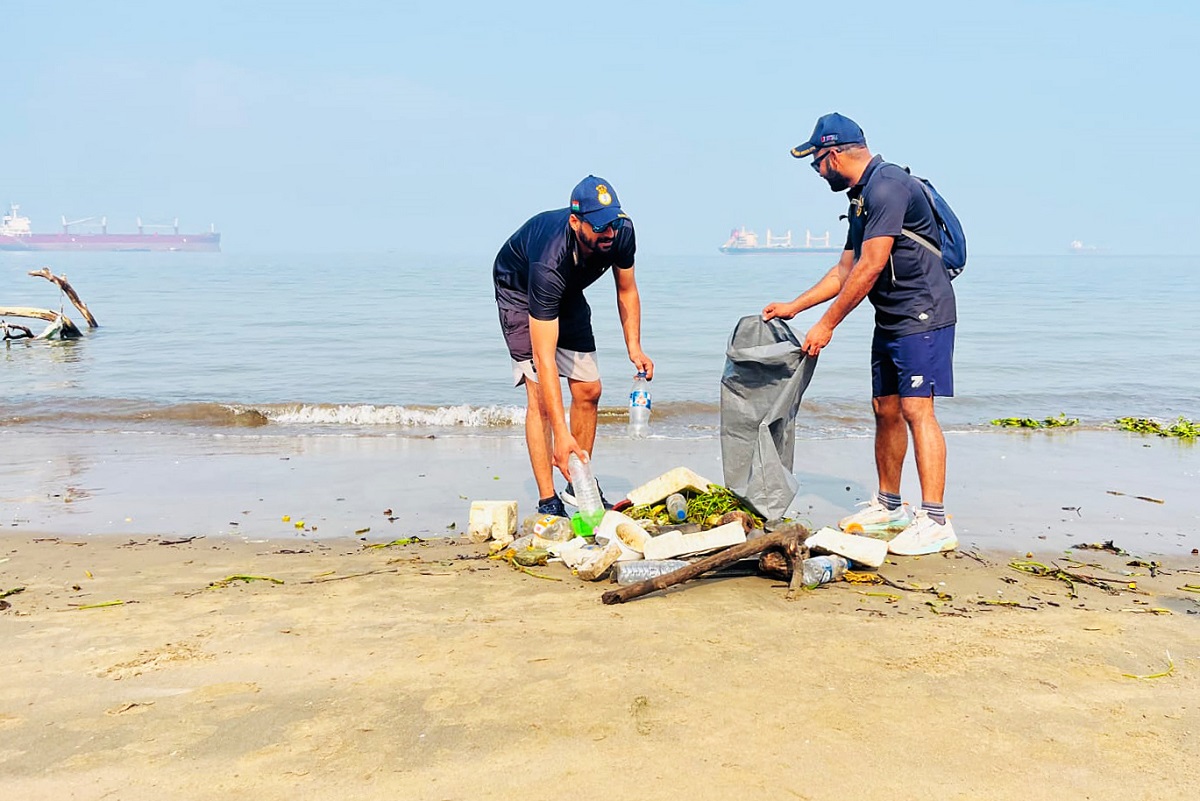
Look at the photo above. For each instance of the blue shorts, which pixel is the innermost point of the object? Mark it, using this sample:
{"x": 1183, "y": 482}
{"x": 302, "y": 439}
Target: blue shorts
{"x": 913, "y": 366}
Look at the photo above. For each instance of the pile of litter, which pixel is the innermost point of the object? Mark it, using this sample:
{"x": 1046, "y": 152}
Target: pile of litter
{"x": 644, "y": 550}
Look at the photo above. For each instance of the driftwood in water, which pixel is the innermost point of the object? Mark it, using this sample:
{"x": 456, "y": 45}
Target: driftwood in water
{"x": 788, "y": 542}
{"x": 14, "y": 331}
{"x": 61, "y": 282}
{"x": 69, "y": 329}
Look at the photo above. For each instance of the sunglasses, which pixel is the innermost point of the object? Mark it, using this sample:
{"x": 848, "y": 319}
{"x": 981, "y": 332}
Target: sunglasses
{"x": 816, "y": 163}
{"x": 599, "y": 229}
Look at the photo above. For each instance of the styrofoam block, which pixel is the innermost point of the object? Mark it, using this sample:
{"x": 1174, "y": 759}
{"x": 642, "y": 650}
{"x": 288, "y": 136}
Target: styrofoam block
{"x": 492, "y": 520}
{"x": 676, "y": 480}
{"x": 672, "y": 544}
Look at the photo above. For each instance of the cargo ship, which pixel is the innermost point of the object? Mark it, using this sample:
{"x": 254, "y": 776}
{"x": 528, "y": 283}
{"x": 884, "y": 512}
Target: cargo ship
{"x": 743, "y": 242}
{"x": 16, "y": 233}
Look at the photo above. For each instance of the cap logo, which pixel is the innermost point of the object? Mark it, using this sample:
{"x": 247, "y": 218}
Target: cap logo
{"x": 574, "y": 205}
{"x": 827, "y": 138}
{"x": 602, "y": 195}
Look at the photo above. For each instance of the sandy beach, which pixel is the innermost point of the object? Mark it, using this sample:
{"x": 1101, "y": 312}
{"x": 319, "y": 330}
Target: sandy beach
{"x": 428, "y": 671}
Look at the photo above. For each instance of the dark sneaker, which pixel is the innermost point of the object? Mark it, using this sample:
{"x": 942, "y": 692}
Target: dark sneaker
{"x": 552, "y": 506}
{"x": 568, "y": 495}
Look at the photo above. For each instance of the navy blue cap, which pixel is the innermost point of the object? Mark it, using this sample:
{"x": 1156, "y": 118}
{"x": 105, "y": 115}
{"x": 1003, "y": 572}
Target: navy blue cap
{"x": 595, "y": 200}
{"x": 832, "y": 130}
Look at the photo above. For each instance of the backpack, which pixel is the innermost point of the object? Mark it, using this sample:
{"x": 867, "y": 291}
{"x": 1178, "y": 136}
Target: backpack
{"x": 952, "y": 249}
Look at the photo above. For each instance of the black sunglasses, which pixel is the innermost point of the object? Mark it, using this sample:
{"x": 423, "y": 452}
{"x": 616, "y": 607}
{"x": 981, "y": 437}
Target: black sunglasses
{"x": 816, "y": 163}
{"x": 599, "y": 229}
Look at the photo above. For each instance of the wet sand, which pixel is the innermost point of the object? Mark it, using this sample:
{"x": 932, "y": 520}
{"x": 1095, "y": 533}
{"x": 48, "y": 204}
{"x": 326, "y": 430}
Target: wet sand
{"x": 1005, "y": 490}
{"x": 429, "y": 671}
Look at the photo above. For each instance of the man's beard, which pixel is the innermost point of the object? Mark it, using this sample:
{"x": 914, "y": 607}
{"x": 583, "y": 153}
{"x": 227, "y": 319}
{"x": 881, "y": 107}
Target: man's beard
{"x": 837, "y": 182}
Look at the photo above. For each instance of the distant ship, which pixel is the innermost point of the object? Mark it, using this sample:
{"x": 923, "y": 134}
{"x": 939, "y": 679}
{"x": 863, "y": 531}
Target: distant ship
{"x": 17, "y": 234}
{"x": 1077, "y": 246}
{"x": 742, "y": 242}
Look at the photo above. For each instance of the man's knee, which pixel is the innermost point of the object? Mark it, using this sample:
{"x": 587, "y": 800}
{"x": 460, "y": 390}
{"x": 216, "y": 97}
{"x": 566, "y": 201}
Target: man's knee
{"x": 886, "y": 408}
{"x": 916, "y": 410}
{"x": 585, "y": 392}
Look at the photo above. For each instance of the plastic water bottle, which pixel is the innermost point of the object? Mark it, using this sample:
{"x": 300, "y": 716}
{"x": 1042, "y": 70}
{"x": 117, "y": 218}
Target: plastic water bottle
{"x": 676, "y": 508}
{"x": 548, "y": 527}
{"x": 633, "y": 572}
{"x": 823, "y": 569}
{"x": 639, "y": 407}
{"x": 587, "y": 497}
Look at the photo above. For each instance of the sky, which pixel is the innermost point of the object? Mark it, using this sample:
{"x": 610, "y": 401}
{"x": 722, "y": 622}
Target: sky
{"x": 440, "y": 127}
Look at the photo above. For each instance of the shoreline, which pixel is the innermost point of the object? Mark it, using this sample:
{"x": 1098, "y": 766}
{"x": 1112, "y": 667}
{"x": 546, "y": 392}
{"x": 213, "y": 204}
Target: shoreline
{"x": 429, "y": 671}
{"x": 1005, "y": 490}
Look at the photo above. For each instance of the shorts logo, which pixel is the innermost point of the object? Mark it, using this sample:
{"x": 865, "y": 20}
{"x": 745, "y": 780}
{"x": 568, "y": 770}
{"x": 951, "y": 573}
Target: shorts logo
{"x": 917, "y": 381}
{"x": 602, "y": 195}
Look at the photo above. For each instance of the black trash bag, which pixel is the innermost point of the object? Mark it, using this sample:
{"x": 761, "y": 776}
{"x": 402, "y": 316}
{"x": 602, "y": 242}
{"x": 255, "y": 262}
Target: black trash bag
{"x": 766, "y": 373}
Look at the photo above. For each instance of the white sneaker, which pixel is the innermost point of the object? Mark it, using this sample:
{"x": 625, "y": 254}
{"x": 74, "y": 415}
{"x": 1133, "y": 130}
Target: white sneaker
{"x": 924, "y": 536}
{"x": 876, "y": 519}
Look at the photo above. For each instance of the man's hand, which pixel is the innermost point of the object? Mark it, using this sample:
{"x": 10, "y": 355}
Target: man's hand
{"x": 817, "y": 338}
{"x": 784, "y": 311}
{"x": 643, "y": 363}
{"x": 564, "y": 446}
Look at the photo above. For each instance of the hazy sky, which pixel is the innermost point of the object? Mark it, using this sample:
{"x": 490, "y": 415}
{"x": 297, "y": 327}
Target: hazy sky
{"x": 441, "y": 126}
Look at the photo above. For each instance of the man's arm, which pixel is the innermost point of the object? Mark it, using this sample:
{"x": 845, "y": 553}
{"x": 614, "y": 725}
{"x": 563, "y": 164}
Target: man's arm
{"x": 629, "y": 305}
{"x": 828, "y": 287}
{"x": 855, "y": 287}
{"x": 543, "y": 334}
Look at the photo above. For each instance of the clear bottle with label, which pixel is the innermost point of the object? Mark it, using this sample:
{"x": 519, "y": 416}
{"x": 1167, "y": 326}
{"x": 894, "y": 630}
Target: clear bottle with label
{"x": 676, "y": 508}
{"x": 587, "y": 497}
{"x": 639, "y": 407}
{"x": 548, "y": 527}
{"x": 823, "y": 569}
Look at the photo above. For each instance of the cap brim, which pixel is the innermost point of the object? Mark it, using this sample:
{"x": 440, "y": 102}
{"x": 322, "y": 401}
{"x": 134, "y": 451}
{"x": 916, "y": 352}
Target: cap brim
{"x": 604, "y": 216}
{"x": 802, "y": 150}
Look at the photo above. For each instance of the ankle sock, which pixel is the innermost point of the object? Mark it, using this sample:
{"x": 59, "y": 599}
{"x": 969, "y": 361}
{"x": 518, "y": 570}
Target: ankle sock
{"x": 547, "y": 500}
{"x": 936, "y": 512}
{"x": 890, "y": 501}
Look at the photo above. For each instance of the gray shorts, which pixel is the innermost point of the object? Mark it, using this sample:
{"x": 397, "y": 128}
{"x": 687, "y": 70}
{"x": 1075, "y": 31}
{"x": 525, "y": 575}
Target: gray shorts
{"x": 579, "y": 365}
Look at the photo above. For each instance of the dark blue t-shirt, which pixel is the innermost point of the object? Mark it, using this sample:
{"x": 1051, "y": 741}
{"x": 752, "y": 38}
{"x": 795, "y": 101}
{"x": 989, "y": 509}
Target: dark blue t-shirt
{"x": 913, "y": 293}
{"x": 540, "y": 273}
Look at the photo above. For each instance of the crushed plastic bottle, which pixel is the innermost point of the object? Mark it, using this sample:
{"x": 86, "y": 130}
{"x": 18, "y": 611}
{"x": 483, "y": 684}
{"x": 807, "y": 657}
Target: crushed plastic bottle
{"x": 644, "y": 570}
{"x": 587, "y": 497}
{"x": 823, "y": 569}
{"x": 639, "y": 407}
{"x": 548, "y": 527}
{"x": 676, "y": 508}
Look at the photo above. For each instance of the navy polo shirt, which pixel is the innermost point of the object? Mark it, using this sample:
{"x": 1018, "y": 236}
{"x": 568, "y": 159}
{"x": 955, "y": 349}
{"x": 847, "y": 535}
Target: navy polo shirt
{"x": 912, "y": 294}
{"x": 541, "y": 273}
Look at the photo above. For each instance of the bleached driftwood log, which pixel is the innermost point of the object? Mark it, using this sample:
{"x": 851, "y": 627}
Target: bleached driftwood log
{"x": 61, "y": 282}
{"x": 69, "y": 329}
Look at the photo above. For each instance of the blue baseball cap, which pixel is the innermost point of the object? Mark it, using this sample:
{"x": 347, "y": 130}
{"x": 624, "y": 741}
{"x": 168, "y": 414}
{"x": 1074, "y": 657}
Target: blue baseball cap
{"x": 595, "y": 200}
{"x": 832, "y": 130}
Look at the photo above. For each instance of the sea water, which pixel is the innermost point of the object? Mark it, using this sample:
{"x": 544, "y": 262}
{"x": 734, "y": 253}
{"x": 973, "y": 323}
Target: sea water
{"x": 389, "y": 344}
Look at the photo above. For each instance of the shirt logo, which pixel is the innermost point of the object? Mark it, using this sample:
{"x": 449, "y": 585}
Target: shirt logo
{"x": 917, "y": 381}
{"x": 602, "y": 195}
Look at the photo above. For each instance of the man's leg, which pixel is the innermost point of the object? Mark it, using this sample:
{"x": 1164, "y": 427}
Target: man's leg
{"x": 585, "y": 400}
{"x": 929, "y": 446}
{"x": 891, "y": 442}
{"x": 538, "y": 440}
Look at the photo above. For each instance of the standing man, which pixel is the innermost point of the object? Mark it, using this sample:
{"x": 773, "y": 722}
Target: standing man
{"x": 540, "y": 275}
{"x": 913, "y": 347}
